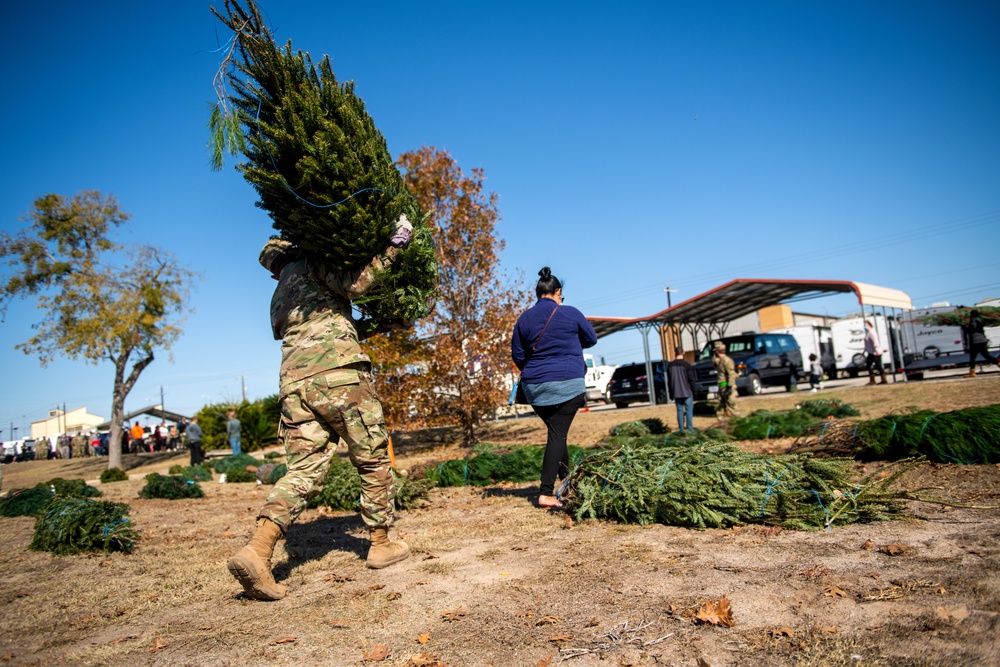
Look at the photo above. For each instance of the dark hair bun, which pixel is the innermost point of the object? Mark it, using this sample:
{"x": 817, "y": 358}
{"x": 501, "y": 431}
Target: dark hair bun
{"x": 545, "y": 273}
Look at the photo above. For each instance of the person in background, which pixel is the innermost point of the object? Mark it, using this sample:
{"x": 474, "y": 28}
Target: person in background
{"x": 137, "y": 435}
{"x": 547, "y": 347}
{"x": 680, "y": 380}
{"x": 976, "y": 342}
{"x": 873, "y": 354}
{"x": 815, "y": 373}
{"x": 233, "y": 428}
{"x": 725, "y": 371}
{"x": 42, "y": 449}
{"x": 193, "y": 435}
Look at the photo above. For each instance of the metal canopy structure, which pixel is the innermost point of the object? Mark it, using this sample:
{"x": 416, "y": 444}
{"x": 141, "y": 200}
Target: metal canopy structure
{"x": 746, "y": 295}
{"x": 152, "y": 410}
{"x": 711, "y": 311}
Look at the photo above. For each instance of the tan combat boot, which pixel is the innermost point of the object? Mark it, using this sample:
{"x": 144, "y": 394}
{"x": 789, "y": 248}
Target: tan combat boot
{"x": 970, "y": 374}
{"x": 252, "y": 565}
{"x": 382, "y": 552}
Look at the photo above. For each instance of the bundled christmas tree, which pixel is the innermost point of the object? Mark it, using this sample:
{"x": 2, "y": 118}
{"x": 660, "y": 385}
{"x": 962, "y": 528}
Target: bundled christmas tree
{"x": 73, "y": 525}
{"x": 170, "y": 487}
{"x": 718, "y": 485}
{"x": 192, "y": 473}
{"x": 320, "y": 166}
{"x": 964, "y": 436}
{"x": 235, "y": 462}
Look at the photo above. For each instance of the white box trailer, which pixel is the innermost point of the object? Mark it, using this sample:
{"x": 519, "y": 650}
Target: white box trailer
{"x": 814, "y": 339}
{"x": 849, "y": 342}
{"x": 929, "y": 347}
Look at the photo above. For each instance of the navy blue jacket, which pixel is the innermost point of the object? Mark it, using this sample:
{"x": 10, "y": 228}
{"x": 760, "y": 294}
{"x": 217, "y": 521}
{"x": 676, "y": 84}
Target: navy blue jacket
{"x": 559, "y": 355}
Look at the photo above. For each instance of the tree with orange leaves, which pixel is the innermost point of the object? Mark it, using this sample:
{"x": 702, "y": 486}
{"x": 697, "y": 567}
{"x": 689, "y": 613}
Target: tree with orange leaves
{"x": 453, "y": 369}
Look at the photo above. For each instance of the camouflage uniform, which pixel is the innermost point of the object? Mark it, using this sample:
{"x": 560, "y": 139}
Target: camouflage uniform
{"x": 326, "y": 389}
{"x": 42, "y": 449}
{"x": 726, "y": 375}
{"x": 79, "y": 445}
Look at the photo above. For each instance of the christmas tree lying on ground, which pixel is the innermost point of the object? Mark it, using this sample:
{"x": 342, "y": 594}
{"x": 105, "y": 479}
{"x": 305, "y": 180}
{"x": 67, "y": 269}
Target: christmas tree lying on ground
{"x": 718, "y": 485}
{"x": 320, "y": 166}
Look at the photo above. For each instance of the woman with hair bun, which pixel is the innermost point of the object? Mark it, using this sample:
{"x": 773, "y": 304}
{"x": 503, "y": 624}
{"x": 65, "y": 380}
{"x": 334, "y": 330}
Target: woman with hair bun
{"x": 547, "y": 347}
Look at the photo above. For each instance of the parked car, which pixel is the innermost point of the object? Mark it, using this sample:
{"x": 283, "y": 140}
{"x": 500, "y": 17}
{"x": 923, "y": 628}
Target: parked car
{"x": 762, "y": 360}
{"x": 630, "y": 384}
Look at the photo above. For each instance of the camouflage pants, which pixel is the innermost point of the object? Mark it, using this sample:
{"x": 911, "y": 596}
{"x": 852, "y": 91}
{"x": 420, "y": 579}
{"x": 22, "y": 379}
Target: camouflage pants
{"x": 315, "y": 414}
{"x": 727, "y": 402}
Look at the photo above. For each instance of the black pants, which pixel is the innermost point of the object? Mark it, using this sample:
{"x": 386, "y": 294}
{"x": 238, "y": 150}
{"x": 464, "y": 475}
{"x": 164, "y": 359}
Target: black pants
{"x": 196, "y": 455}
{"x": 557, "y": 419}
{"x": 874, "y": 363}
{"x": 979, "y": 349}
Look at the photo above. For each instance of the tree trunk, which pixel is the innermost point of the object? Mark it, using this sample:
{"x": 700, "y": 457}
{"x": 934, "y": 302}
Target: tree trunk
{"x": 122, "y": 388}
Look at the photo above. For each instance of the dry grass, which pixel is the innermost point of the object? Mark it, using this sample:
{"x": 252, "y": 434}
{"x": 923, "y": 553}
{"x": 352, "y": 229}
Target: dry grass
{"x": 495, "y": 581}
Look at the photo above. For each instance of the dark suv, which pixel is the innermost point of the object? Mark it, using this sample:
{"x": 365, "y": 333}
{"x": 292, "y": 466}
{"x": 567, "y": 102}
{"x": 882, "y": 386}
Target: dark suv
{"x": 630, "y": 384}
{"x": 762, "y": 360}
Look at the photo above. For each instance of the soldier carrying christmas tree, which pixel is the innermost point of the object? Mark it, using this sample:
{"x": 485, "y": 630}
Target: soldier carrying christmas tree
{"x": 326, "y": 395}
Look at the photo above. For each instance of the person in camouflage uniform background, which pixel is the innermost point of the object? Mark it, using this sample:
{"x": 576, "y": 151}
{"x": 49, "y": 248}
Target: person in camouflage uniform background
{"x": 725, "y": 371}
{"x": 326, "y": 394}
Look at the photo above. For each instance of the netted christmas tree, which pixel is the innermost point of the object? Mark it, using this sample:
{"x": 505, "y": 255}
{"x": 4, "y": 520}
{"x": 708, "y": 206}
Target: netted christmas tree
{"x": 170, "y": 487}
{"x": 342, "y": 488}
{"x": 72, "y": 525}
{"x": 967, "y": 436}
{"x": 319, "y": 164}
{"x": 718, "y": 485}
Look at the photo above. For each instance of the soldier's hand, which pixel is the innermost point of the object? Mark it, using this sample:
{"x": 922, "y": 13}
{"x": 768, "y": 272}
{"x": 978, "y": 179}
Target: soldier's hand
{"x": 403, "y": 232}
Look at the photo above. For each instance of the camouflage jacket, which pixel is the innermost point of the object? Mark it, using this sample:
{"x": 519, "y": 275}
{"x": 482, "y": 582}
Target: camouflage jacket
{"x": 311, "y": 315}
{"x": 726, "y": 370}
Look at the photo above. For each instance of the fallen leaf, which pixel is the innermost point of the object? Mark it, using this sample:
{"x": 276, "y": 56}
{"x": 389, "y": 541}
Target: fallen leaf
{"x": 453, "y": 614}
{"x": 703, "y": 663}
{"x": 942, "y": 591}
{"x": 834, "y": 592}
{"x": 154, "y": 598}
{"x": 205, "y": 627}
{"x": 717, "y": 613}
{"x": 227, "y": 533}
{"x": 568, "y": 521}
{"x": 832, "y": 629}
{"x": 377, "y": 587}
{"x": 393, "y": 596}
{"x": 122, "y": 639}
{"x": 7, "y": 656}
{"x": 547, "y": 620}
{"x": 430, "y": 556}
{"x": 545, "y": 662}
{"x": 868, "y": 545}
{"x": 783, "y": 632}
{"x": 282, "y": 640}
{"x": 591, "y": 623}
{"x": 423, "y": 582}
{"x": 158, "y": 645}
{"x": 377, "y": 653}
{"x": 519, "y": 548}
{"x": 560, "y": 638}
{"x": 894, "y": 549}
{"x": 338, "y": 578}
{"x": 424, "y": 660}
{"x": 423, "y": 637}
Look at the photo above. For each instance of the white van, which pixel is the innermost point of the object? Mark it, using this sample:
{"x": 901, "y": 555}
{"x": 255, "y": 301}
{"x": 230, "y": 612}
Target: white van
{"x": 814, "y": 339}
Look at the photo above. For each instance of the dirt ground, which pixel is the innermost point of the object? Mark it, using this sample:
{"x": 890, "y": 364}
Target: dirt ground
{"x": 494, "y": 580}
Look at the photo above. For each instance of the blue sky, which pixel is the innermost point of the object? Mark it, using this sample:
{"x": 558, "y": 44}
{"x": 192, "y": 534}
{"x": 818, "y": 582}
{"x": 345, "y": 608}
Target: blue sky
{"x": 633, "y": 146}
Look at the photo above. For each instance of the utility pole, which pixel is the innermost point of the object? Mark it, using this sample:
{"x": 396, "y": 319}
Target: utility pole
{"x": 243, "y": 384}
{"x": 161, "y": 398}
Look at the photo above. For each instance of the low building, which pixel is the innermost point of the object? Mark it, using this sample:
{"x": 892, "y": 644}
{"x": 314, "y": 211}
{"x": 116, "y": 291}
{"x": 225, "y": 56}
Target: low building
{"x": 70, "y": 421}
